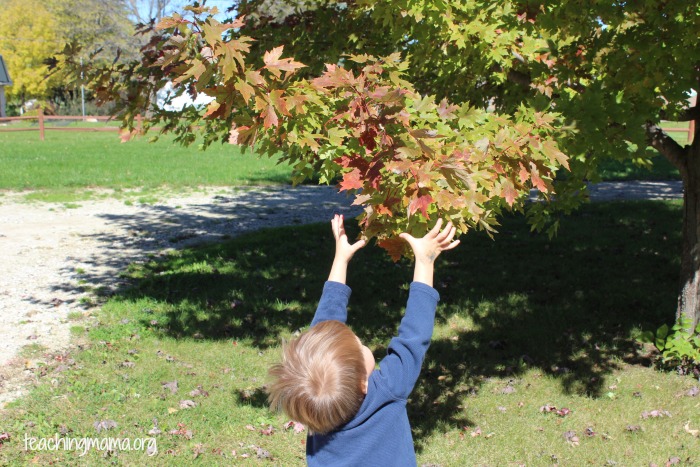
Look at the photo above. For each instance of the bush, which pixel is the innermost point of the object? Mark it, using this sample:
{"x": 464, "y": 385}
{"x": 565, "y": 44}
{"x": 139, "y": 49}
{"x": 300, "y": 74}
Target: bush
{"x": 679, "y": 346}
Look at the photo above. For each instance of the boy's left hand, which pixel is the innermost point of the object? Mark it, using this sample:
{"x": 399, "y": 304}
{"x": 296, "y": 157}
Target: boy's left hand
{"x": 343, "y": 249}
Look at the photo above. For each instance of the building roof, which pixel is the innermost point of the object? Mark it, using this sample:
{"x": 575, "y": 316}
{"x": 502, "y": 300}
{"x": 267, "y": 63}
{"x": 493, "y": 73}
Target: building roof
{"x": 4, "y": 74}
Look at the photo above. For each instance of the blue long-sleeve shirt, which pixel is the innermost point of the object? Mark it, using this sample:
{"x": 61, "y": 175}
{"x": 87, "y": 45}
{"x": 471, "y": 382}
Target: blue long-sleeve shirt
{"x": 380, "y": 433}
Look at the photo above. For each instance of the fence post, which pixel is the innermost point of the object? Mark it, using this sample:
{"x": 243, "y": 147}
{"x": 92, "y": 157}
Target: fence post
{"x": 41, "y": 124}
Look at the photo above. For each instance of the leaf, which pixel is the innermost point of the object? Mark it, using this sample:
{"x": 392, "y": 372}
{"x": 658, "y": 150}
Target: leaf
{"x": 199, "y": 392}
{"x": 171, "y": 385}
{"x": 421, "y": 203}
{"x": 187, "y": 404}
{"x": 509, "y": 192}
{"x": 246, "y": 90}
{"x": 270, "y": 117}
{"x": 298, "y": 427}
{"x": 274, "y": 64}
{"x": 104, "y": 425}
{"x": 687, "y": 429}
{"x": 4, "y": 436}
{"x": 395, "y": 247}
{"x": 351, "y": 180}
{"x": 267, "y": 431}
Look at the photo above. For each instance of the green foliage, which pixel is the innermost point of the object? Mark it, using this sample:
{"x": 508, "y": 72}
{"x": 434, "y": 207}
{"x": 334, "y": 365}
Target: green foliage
{"x": 406, "y": 157}
{"x": 679, "y": 345}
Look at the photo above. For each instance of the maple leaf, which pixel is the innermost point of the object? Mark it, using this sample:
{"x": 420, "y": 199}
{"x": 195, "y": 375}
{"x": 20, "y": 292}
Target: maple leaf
{"x": 351, "y": 180}
{"x": 421, "y": 203}
{"x": 274, "y": 64}
{"x": 104, "y": 425}
{"x": 395, "y": 246}
{"x": 509, "y": 192}
{"x": 270, "y": 117}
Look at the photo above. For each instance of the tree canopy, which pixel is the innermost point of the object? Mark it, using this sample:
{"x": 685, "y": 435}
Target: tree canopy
{"x": 428, "y": 108}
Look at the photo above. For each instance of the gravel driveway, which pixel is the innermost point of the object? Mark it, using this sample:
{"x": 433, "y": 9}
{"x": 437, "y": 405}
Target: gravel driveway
{"x": 52, "y": 253}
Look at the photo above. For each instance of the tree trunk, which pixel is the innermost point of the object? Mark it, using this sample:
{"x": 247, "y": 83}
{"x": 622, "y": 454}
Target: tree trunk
{"x": 687, "y": 160}
{"x": 689, "y": 295}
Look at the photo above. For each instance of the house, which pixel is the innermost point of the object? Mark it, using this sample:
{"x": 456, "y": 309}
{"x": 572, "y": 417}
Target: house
{"x": 4, "y": 81}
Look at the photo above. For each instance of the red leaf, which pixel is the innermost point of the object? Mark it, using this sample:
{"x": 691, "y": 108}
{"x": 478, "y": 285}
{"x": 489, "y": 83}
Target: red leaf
{"x": 420, "y": 203}
{"x": 396, "y": 247}
{"x": 351, "y": 180}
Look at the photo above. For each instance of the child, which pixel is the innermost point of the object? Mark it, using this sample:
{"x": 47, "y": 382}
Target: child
{"x": 356, "y": 414}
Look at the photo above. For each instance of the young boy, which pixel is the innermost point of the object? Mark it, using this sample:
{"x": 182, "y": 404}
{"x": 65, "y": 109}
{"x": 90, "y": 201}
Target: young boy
{"x": 356, "y": 414}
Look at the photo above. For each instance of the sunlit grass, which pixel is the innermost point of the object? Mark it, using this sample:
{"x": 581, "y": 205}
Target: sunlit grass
{"x": 524, "y": 322}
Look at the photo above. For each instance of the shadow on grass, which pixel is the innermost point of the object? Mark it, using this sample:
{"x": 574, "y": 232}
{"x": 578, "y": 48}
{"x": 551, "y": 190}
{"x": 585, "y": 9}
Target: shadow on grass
{"x": 568, "y": 307}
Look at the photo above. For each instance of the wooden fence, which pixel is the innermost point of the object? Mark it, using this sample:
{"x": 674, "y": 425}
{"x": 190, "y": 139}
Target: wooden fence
{"x": 43, "y": 128}
{"x": 41, "y": 118}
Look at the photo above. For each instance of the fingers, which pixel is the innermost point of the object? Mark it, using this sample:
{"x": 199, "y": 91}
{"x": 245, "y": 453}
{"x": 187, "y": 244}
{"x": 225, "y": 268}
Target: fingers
{"x": 447, "y": 233}
{"x": 435, "y": 230}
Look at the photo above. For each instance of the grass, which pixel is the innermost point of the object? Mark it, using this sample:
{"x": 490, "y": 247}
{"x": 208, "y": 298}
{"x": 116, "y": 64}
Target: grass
{"x": 67, "y": 167}
{"x": 524, "y": 322}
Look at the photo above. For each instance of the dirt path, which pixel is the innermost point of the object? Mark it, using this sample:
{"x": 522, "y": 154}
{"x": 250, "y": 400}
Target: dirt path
{"x": 54, "y": 255}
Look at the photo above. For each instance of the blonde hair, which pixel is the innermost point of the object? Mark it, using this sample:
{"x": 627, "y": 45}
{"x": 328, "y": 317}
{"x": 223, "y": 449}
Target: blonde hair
{"x": 321, "y": 378}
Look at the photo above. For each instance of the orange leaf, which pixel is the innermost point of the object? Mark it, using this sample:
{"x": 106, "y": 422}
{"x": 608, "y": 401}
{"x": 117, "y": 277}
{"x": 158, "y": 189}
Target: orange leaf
{"x": 270, "y": 117}
{"x": 509, "y": 192}
{"x": 351, "y": 180}
{"x": 396, "y": 247}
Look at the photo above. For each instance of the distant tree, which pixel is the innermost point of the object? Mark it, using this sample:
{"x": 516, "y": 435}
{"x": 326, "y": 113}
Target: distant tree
{"x": 28, "y": 36}
{"x": 145, "y": 11}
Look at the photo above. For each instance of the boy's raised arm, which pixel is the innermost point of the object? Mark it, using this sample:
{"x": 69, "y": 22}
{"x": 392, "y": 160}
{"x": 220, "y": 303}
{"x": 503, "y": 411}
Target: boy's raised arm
{"x": 401, "y": 367}
{"x": 334, "y": 300}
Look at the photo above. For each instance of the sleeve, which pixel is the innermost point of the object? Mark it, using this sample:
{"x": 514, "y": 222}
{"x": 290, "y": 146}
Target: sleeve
{"x": 401, "y": 367}
{"x": 333, "y": 304}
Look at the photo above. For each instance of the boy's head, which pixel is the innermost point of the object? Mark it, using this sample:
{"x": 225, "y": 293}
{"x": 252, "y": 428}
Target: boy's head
{"x": 322, "y": 379}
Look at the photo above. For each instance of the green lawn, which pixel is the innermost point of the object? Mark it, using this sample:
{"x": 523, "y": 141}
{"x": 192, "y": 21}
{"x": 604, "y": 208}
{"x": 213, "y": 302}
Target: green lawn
{"x": 75, "y": 162}
{"x": 524, "y": 323}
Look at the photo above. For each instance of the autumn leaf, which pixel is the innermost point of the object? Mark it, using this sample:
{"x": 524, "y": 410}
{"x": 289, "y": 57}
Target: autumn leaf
{"x": 395, "y": 247}
{"x": 509, "y": 192}
{"x": 104, "y": 425}
{"x": 187, "y": 404}
{"x": 274, "y": 64}
{"x": 170, "y": 385}
{"x": 351, "y": 180}
{"x": 421, "y": 203}
{"x": 270, "y": 117}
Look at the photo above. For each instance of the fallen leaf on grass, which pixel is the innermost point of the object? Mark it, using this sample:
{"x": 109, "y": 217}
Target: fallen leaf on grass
{"x": 128, "y": 364}
{"x": 656, "y": 414}
{"x": 172, "y": 410}
{"x": 692, "y": 392}
{"x": 155, "y": 429}
{"x": 571, "y": 438}
{"x": 104, "y": 425}
{"x": 267, "y": 431}
{"x": 563, "y": 412}
{"x": 673, "y": 461}
{"x": 633, "y": 428}
{"x": 171, "y": 385}
{"x": 261, "y": 453}
{"x": 198, "y": 450}
{"x": 4, "y": 437}
{"x": 250, "y": 427}
{"x": 182, "y": 431}
{"x": 589, "y": 432}
{"x": 187, "y": 404}
{"x": 687, "y": 429}
{"x": 548, "y": 408}
{"x": 199, "y": 392}
{"x": 508, "y": 390}
{"x": 476, "y": 432}
{"x": 298, "y": 427}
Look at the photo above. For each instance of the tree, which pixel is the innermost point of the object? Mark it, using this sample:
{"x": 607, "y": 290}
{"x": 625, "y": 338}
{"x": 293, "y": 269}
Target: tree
{"x": 34, "y": 32}
{"x": 614, "y": 70}
{"x": 145, "y": 11}
{"x": 29, "y": 36}
{"x": 610, "y": 71}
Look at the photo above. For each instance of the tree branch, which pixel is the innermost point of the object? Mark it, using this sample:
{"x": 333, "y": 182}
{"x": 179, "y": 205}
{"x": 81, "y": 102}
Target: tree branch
{"x": 667, "y": 146}
{"x": 691, "y": 113}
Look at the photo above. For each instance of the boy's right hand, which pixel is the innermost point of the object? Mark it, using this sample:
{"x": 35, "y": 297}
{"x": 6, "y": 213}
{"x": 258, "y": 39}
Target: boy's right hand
{"x": 428, "y": 248}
